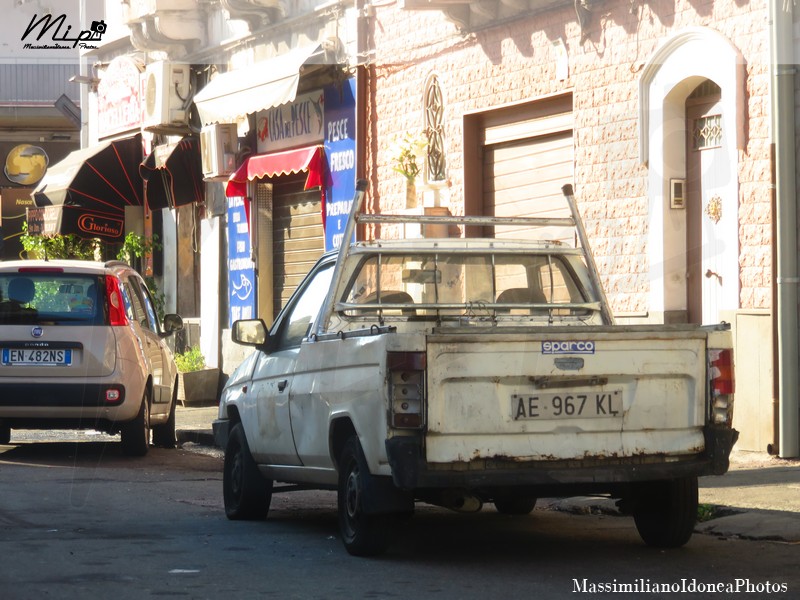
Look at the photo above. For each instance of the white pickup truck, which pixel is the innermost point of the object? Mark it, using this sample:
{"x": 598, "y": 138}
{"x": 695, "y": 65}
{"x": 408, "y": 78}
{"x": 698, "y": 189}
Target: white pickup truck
{"x": 460, "y": 371}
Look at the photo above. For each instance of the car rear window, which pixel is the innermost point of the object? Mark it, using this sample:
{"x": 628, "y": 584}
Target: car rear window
{"x": 51, "y": 298}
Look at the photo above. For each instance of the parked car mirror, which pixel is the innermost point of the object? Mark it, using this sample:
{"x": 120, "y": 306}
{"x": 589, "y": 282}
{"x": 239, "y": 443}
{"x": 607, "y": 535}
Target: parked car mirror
{"x": 172, "y": 323}
{"x": 250, "y": 332}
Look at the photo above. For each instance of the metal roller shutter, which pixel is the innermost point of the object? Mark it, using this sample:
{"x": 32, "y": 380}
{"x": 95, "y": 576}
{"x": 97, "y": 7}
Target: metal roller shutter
{"x": 524, "y": 178}
{"x": 298, "y": 239}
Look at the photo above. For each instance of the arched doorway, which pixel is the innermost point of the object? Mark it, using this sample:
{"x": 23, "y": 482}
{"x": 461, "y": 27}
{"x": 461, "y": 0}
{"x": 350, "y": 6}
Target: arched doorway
{"x": 691, "y": 126}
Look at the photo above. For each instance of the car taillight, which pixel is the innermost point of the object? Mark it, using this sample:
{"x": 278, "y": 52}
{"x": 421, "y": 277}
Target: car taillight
{"x": 721, "y": 380}
{"x": 116, "y": 308}
{"x": 407, "y": 389}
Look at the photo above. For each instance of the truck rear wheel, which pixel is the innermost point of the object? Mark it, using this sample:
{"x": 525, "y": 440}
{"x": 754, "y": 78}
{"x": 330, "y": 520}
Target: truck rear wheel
{"x": 666, "y": 512}
{"x": 514, "y": 505}
{"x": 362, "y": 534}
{"x": 246, "y": 493}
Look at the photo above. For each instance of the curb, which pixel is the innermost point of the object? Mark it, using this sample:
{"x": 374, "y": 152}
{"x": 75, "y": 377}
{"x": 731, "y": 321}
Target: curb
{"x": 195, "y": 436}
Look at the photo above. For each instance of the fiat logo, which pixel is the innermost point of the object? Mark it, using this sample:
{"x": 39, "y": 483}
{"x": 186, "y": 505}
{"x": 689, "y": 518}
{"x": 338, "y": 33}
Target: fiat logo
{"x": 37, "y": 332}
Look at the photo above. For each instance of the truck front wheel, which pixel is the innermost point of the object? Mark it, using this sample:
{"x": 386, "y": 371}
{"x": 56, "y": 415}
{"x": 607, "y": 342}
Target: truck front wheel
{"x": 666, "y": 512}
{"x": 246, "y": 493}
{"x": 362, "y": 534}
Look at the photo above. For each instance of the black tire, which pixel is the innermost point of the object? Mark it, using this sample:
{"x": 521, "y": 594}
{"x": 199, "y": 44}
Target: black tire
{"x": 136, "y": 433}
{"x": 362, "y": 534}
{"x": 666, "y": 512}
{"x": 247, "y": 494}
{"x": 515, "y": 505}
{"x": 164, "y": 434}
{"x": 5, "y": 434}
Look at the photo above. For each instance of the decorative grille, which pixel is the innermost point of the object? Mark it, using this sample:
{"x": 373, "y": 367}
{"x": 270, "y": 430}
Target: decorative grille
{"x": 707, "y": 132}
{"x": 435, "y": 161}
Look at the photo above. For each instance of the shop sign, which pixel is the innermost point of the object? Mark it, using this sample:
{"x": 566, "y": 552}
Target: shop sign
{"x": 340, "y": 149}
{"x": 119, "y": 105}
{"x": 241, "y": 271}
{"x": 13, "y": 205}
{"x": 290, "y": 125}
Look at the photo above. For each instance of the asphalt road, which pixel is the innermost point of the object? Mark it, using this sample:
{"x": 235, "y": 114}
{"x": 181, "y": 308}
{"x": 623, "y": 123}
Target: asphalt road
{"x": 79, "y": 520}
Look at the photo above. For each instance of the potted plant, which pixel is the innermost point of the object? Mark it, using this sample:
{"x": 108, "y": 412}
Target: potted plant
{"x": 197, "y": 384}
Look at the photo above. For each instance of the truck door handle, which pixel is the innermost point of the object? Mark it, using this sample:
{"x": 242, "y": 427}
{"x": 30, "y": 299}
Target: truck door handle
{"x": 282, "y": 384}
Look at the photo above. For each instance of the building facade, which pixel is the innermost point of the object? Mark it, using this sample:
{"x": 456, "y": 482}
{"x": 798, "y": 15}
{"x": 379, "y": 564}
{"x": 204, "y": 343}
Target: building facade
{"x": 664, "y": 116}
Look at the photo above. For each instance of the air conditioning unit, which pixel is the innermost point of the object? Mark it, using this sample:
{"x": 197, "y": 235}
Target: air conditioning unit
{"x": 167, "y": 95}
{"x": 218, "y": 145}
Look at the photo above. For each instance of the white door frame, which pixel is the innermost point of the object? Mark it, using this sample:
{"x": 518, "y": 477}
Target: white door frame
{"x": 667, "y": 79}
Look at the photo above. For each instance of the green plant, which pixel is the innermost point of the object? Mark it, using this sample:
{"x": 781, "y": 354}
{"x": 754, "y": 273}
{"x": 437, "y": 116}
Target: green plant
{"x": 159, "y": 299}
{"x": 58, "y": 246}
{"x": 191, "y": 360}
{"x": 135, "y": 246}
{"x": 133, "y": 249}
{"x": 406, "y": 152}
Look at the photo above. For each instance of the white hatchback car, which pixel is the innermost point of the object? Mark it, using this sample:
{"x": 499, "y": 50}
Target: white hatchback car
{"x": 81, "y": 347}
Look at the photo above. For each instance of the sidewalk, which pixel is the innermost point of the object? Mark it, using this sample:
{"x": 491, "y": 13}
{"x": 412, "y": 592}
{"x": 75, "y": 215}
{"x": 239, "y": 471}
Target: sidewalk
{"x": 758, "y": 499}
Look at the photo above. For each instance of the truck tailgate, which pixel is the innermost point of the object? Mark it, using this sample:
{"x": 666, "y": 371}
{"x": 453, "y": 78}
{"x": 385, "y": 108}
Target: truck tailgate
{"x": 547, "y": 396}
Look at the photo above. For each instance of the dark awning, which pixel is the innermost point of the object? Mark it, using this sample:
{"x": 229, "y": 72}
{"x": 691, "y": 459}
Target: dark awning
{"x": 65, "y": 219}
{"x": 311, "y": 159}
{"x": 102, "y": 179}
{"x": 173, "y": 173}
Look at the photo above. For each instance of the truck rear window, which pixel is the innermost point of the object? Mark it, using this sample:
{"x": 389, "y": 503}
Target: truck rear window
{"x": 50, "y": 298}
{"x": 453, "y": 284}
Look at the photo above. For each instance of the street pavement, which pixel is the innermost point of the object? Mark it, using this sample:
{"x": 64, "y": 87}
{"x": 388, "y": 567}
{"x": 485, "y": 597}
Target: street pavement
{"x": 758, "y": 499}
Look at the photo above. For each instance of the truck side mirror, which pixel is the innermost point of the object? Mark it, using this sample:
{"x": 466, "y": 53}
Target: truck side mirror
{"x": 249, "y": 332}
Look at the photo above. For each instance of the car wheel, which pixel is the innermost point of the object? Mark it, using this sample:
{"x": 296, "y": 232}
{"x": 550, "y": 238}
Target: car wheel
{"x": 666, "y": 512}
{"x": 362, "y": 534}
{"x": 5, "y": 434}
{"x": 164, "y": 434}
{"x": 136, "y": 433}
{"x": 514, "y": 505}
{"x": 247, "y": 494}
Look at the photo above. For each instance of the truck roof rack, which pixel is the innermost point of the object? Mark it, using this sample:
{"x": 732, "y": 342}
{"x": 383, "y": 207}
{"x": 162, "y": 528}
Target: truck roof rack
{"x": 356, "y": 216}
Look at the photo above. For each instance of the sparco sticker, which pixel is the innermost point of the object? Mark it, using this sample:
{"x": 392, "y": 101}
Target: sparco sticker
{"x": 570, "y": 347}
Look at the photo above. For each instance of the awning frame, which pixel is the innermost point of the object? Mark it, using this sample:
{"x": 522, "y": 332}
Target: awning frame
{"x": 231, "y": 96}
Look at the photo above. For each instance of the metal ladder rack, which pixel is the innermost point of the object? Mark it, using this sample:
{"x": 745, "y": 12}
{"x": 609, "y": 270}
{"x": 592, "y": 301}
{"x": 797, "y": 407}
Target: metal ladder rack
{"x": 356, "y": 216}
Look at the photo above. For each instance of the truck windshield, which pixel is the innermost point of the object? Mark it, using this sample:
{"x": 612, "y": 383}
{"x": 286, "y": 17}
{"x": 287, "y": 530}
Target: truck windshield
{"x": 452, "y": 284}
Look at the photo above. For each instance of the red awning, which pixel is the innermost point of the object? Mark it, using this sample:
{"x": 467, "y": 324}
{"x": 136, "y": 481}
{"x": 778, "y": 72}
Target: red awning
{"x": 311, "y": 159}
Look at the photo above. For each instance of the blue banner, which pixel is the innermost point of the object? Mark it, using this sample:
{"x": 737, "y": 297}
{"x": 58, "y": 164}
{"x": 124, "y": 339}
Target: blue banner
{"x": 241, "y": 271}
{"x": 340, "y": 149}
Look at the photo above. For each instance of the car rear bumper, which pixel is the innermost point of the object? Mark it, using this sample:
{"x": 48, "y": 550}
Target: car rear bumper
{"x": 59, "y": 395}
{"x": 51, "y": 405}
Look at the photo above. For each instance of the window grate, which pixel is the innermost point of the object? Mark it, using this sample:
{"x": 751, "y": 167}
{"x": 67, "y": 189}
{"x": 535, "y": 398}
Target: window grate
{"x": 707, "y": 132}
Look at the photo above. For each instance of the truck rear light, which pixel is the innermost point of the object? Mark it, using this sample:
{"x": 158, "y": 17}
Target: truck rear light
{"x": 116, "y": 308}
{"x": 721, "y": 370}
{"x": 721, "y": 379}
{"x": 407, "y": 389}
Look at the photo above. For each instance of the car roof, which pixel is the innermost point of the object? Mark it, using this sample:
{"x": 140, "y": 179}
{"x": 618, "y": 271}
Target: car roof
{"x": 69, "y": 265}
